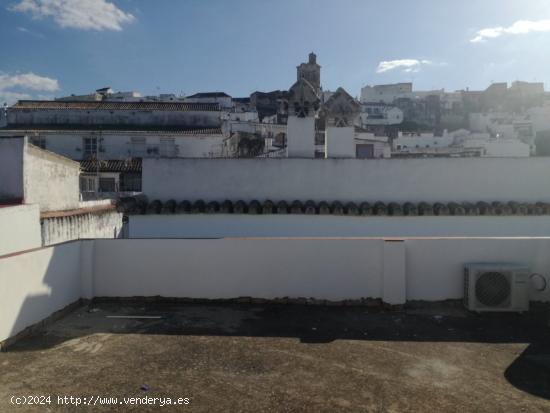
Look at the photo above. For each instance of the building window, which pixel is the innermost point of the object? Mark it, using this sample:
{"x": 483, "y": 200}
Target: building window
{"x": 130, "y": 182}
{"x": 90, "y": 146}
{"x": 87, "y": 183}
{"x": 107, "y": 185}
{"x": 39, "y": 141}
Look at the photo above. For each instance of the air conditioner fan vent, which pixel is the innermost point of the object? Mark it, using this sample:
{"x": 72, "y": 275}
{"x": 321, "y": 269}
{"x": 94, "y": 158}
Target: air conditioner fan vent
{"x": 493, "y": 289}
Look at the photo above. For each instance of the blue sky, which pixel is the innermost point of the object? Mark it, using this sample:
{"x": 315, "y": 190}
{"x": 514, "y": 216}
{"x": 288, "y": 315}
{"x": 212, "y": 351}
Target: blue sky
{"x": 58, "y": 47}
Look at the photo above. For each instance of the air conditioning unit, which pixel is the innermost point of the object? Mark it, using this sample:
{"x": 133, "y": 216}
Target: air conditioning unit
{"x": 496, "y": 287}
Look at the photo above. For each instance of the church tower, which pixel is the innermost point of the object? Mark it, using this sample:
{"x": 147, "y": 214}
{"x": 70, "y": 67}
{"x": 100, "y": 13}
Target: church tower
{"x": 311, "y": 72}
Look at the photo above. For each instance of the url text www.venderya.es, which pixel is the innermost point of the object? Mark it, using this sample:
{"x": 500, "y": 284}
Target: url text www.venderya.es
{"x": 92, "y": 400}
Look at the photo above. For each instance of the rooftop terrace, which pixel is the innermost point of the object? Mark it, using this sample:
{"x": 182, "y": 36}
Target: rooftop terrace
{"x": 289, "y": 358}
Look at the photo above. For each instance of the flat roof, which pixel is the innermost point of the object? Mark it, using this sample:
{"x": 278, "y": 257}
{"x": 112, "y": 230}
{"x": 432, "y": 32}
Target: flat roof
{"x": 251, "y": 357}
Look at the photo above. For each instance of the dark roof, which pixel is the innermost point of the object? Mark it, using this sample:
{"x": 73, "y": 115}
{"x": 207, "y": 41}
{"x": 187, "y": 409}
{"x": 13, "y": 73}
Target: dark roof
{"x": 179, "y": 130}
{"x": 209, "y": 95}
{"x": 241, "y": 100}
{"x": 127, "y": 165}
{"x": 376, "y": 104}
{"x": 276, "y": 93}
{"x": 107, "y": 105}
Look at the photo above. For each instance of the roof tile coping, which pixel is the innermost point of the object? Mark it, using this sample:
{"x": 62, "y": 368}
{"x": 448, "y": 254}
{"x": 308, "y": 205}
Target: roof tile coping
{"x": 110, "y": 105}
{"x": 141, "y": 205}
{"x": 80, "y": 211}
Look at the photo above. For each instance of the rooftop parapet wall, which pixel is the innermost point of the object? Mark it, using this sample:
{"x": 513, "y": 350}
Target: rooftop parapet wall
{"x": 50, "y": 180}
{"x": 36, "y": 176}
{"x": 349, "y": 180}
{"x": 39, "y": 282}
{"x": 94, "y": 222}
{"x": 19, "y": 228}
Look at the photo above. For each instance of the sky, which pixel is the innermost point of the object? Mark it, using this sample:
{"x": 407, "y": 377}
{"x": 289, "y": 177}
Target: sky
{"x": 52, "y": 48}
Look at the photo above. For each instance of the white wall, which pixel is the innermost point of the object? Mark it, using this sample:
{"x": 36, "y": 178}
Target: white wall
{"x": 334, "y": 269}
{"x": 400, "y": 180}
{"x": 420, "y": 143}
{"x": 200, "y": 146}
{"x": 340, "y": 142}
{"x": 50, "y": 180}
{"x": 234, "y": 225}
{"x": 226, "y": 268}
{"x": 118, "y": 144}
{"x": 508, "y": 147}
{"x": 36, "y": 284}
{"x": 301, "y": 137}
{"x": 386, "y": 93}
{"x": 434, "y": 266}
{"x": 19, "y": 228}
{"x": 11, "y": 168}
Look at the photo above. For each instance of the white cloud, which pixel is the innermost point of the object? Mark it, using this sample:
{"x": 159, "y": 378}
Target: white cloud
{"x": 78, "y": 14}
{"x": 519, "y": 27}
{"x": 408, "y": 65}
{"x": 28, "y": 81}
{"x": 12, "y": 97}
{"x": 18, "y": 86}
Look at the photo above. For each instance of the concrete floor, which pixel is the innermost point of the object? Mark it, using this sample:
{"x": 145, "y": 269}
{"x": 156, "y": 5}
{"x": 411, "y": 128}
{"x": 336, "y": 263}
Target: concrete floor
{"x": 256, "y": 358}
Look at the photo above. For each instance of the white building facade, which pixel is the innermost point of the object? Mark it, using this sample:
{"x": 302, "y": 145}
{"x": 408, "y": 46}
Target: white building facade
{"x": 380, "y": 114}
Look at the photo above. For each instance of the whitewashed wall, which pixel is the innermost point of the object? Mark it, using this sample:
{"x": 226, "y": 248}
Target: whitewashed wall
{"x": 228, "y": 268}
{"x": 234, "y": 225}
{"x": 434, "y": 266}
{"x": 301, "y": 137}
{"x": 340, "y": 142}
{"x": 118, "y": 144}
{"x": 334, "y": 269}
{"x": 50, "y": 180}
{"x": 19, "y": 228}
{"x": 36, "y": 284}
{"x": 400, "y": 180}
{"x": 99, "y": 224}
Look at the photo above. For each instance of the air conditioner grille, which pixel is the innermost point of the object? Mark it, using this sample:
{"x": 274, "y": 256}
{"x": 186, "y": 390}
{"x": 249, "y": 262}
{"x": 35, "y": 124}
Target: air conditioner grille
{"x": 493, "y": 289}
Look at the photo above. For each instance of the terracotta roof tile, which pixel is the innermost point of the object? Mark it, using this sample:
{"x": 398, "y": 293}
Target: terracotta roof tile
{"x": 106, "y": 105}
{"x": 128, "y": 165}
